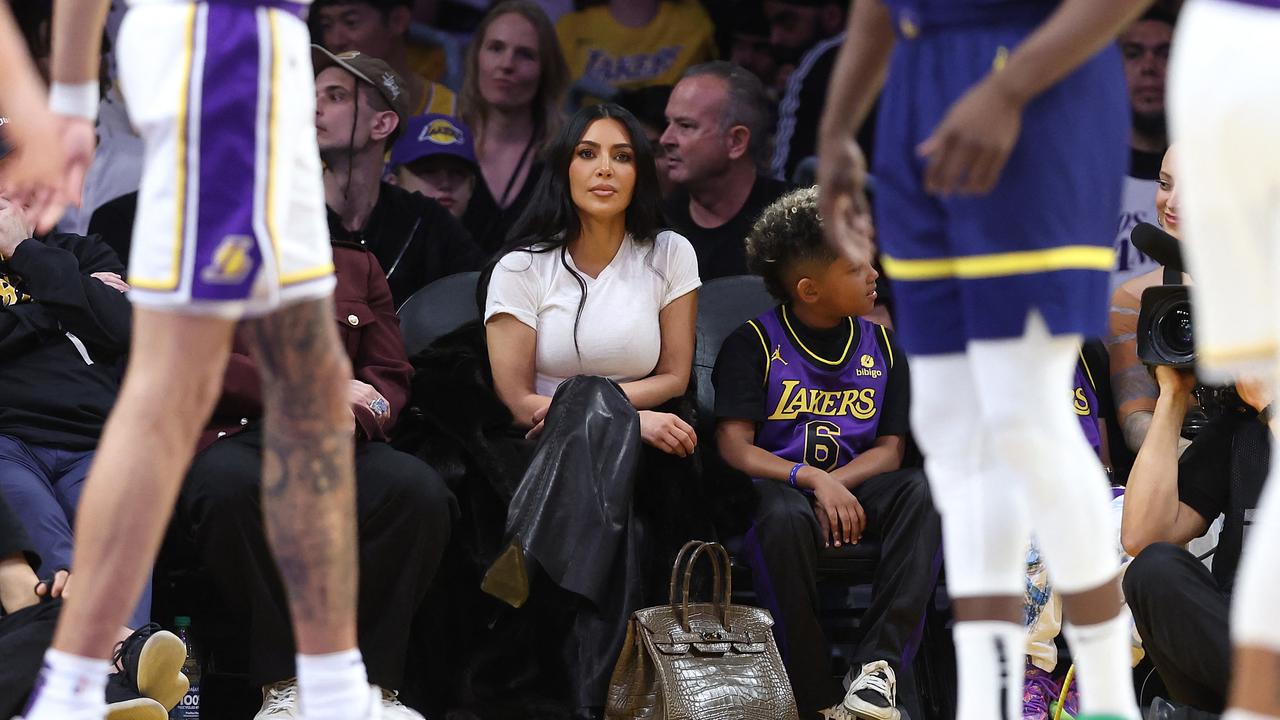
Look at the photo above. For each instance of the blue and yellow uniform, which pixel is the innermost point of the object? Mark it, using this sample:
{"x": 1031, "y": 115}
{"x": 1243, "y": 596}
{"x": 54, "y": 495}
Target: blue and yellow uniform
{"x": 973, "y": 268}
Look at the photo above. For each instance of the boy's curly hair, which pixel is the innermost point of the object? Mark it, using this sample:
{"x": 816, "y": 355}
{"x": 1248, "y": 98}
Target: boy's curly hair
{"x": 787, "y": 233}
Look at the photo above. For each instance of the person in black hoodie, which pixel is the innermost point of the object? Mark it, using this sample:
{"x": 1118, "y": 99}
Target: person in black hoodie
{"x": 64, "y": 328}
{"x": 414, "y": 238}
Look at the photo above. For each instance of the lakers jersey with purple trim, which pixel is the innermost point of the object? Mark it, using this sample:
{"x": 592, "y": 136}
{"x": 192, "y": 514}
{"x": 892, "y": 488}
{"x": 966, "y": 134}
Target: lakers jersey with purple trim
{"x": 822, "y": 412}
{"x": 231, "y": 213}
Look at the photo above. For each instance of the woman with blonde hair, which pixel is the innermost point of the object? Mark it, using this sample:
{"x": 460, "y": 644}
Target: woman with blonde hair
{"x": 512, "y": 97}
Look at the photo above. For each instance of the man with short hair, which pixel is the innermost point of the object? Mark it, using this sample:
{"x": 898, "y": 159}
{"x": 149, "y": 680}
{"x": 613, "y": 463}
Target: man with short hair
{"x": 380, "y": 28}
{"x": 1145, "y": 46}
{"x": 361, "y": 104}
{"x": 715, "y": 143}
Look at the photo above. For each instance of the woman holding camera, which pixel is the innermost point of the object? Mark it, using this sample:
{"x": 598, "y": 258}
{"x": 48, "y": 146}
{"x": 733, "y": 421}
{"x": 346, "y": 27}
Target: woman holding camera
{"x": 1132, "y": 384}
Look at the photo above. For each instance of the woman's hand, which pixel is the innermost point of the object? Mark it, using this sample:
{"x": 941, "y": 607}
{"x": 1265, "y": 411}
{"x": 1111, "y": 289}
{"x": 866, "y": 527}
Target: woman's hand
{"x": 668, "y": 433}
{"x": 539, "y": 417}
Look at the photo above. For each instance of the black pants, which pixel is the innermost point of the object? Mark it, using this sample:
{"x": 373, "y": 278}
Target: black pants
{"x": 1181, "y": 614}
{"x": 783, "y": 548}
{"x": 404, "y": 514}
{"x": 24, "y": 636}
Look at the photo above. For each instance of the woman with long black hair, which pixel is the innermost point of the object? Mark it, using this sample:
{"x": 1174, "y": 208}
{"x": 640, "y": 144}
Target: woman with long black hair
{"x": 589, "y": 322}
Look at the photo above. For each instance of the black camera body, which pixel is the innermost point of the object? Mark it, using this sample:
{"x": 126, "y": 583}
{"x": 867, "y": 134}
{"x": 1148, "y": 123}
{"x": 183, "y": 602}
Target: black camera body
{"x": 1165, "y": 332}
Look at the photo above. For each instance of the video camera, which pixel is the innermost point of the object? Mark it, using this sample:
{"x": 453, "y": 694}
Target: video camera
{"x": 1165, "y": 331}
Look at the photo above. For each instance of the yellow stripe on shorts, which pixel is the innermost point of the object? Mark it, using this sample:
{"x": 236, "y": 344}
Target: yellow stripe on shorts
{"x": 1022, "y": 262}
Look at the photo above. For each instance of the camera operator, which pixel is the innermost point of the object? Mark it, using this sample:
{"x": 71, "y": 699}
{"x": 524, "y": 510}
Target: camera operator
{"x": 1179, "y": 606}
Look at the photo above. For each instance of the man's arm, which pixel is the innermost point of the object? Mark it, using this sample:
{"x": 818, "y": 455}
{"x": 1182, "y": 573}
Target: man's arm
{"x": 859, "y": 73}
{"x": 1153, "y": 511}
{"x": 58, "y": 272}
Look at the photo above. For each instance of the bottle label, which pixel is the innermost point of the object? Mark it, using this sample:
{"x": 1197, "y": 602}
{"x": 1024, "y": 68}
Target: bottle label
{"x": 188, "y": 708}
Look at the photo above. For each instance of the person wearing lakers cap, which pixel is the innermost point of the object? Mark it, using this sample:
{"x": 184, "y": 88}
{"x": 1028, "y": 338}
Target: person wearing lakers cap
{"x": 436, "y": 156}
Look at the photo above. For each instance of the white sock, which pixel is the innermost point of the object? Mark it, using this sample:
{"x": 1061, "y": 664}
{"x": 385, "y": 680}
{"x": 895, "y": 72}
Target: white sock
{"x": 989, "y": 659}
{"x": 1246, "y": 715}
{"x": 1102, "y": 658}
{"x": 69, "y": 686}
{"x": 334, "y": 686}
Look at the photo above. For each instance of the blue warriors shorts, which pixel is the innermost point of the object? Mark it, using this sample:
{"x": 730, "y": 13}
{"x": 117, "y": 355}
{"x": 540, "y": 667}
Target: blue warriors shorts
{"x": 975, "y": 268}
{"x": 231, "y": 215}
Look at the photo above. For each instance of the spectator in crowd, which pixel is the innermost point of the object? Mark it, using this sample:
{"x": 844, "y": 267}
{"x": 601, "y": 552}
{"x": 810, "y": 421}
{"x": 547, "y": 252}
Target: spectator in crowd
{"x": 589, "y": 319}
{"x": 649, "y": 105}
{"x": 796, "y": 26}
{"x": 715, "y": 141}
{"x": 1132, "y": 385}
{"x": 1180, "y": 606}
{"x": 806, "y": 35}
{"x": 628, "y": 44}
{"x": 380, "y": 28}
{"x": 404, "y": 511}
{"x": 64, "y": 330}
{"x": 357, "y": 120}
{"x": 812, "y": 401}
{"x": 29, "y": 609}
{"x": 436, "y": 157}
{"x": 1145, "y": 45}
{"x": 750, "y": 47}
{"x": 512, "y": 98}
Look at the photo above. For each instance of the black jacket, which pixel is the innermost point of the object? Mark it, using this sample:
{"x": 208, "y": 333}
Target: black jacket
{"x": 414, "y": 238}
{"x": 61, "y": 342}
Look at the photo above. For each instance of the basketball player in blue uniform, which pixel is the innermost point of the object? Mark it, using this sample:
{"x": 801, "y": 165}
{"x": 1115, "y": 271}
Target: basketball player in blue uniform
{"x": 231, "y": 224}
{"x": 998, "y": 173}
{"x": 1224, "y": 103}
{"x": 812, "y": 402}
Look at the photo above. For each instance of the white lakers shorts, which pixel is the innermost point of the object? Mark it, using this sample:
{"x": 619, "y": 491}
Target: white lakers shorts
{"x": 231, "y": 216}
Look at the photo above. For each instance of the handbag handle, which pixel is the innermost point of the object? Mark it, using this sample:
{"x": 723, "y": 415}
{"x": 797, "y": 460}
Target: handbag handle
{"x": 719, "y": 603}
{"x": 690, "y": 547}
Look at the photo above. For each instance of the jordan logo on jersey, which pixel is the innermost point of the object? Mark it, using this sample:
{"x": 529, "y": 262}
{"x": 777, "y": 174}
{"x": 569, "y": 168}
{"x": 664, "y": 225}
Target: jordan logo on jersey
{"x": 232, "y": 261}
{"x": 777, "y": 355}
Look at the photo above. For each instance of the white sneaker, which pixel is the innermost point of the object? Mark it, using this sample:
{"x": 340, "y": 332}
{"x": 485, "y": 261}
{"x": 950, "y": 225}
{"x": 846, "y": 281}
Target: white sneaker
{"x": 393, "y": 709}
{"x": 874, "y": 694}
{"x": 279, "y": 701}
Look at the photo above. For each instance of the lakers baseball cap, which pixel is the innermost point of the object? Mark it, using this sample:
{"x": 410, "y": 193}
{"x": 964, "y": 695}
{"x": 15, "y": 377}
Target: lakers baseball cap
{"x": 434, "y": 135}
{"x": 370, "y": 70}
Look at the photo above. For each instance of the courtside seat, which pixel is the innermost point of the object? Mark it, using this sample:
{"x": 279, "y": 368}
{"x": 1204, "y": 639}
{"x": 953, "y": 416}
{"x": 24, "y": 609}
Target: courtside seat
{"x": 438, "y": 309}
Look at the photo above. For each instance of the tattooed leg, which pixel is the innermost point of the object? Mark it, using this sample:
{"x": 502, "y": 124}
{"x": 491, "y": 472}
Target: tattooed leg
{"x": 174, "y": 378}
{"x": 308, "y": 477}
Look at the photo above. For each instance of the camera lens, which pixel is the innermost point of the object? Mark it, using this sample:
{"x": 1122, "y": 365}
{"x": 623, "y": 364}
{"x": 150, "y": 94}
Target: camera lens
{"x": 1173, "y": 328}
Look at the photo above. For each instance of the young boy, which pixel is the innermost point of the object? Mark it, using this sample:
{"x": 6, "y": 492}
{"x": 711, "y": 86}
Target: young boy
{"x": 436, "y": 156}
{"x": 812, "y": 401}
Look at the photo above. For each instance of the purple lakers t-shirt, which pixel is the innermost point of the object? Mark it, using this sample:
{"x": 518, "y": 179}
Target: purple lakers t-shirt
{"x": 822, "y": 411}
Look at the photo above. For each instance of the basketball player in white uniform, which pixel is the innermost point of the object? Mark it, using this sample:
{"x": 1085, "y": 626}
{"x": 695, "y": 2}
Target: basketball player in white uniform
{"x": 1224, "y": 111}
{"x": 230, "y": 226}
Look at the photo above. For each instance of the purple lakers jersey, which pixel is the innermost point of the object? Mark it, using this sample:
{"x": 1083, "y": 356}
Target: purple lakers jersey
{"x": 822, "y": 411}
{"x": 1084, "y": 399}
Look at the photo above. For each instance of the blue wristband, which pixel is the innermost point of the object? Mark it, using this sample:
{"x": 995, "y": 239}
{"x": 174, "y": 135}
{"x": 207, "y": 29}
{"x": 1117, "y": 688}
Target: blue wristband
{"x": 795, "y": 470}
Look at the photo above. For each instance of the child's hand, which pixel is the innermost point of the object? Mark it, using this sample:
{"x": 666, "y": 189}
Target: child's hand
{"x": 839, "y": 513}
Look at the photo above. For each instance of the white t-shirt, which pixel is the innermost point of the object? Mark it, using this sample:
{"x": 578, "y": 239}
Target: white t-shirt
{"x": 618, "y": 334}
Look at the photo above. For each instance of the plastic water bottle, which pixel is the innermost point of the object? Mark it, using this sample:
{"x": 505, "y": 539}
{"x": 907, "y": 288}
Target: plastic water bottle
{"x": 189, "y": 707}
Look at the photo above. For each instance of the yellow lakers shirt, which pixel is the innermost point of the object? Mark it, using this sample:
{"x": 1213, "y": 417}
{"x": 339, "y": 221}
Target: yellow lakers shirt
{"x": 597, "y": 46}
